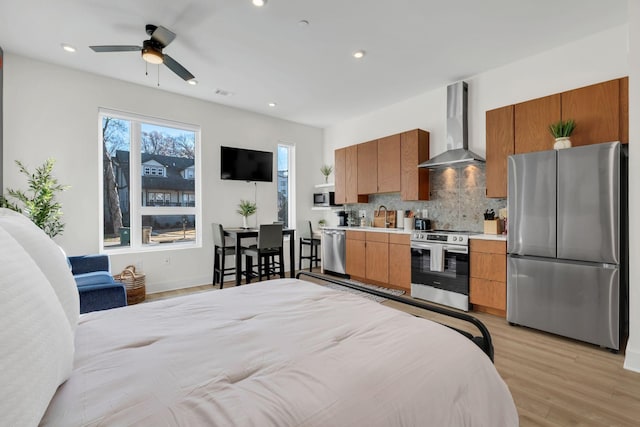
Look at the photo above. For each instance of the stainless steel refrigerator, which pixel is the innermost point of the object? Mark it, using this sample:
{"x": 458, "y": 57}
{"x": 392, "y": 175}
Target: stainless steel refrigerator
{"x": 566, "y": 269}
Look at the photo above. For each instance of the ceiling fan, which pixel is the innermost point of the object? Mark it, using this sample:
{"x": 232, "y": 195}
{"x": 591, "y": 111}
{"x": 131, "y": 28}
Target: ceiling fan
{"x": 152, "y": 50}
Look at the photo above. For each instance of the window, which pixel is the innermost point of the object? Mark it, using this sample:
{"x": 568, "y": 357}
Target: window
{"x": 150, "y": 187}
{"x": 153, "y": 171}
{"x": 286, "y": 202}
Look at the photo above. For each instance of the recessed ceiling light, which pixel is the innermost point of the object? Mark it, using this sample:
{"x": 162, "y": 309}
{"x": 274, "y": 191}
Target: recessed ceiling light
{"x": 68, "y": 47}
{"x": 272, "y": 104}
{"x": 259, "y": 3}
{"x": 359, "y": 54}
{"x": 192, "y": 82}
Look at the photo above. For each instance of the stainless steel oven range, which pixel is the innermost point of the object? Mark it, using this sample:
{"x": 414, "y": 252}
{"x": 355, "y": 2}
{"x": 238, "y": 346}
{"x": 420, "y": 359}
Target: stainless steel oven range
{"x": 440, "y": 267}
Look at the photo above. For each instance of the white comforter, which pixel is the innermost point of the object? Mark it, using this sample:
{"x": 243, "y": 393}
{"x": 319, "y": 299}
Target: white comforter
{"x": 276, "y": 353}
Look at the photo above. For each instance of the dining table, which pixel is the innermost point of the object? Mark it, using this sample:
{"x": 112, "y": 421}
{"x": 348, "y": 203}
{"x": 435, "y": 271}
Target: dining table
{"x": 239, "y": 234}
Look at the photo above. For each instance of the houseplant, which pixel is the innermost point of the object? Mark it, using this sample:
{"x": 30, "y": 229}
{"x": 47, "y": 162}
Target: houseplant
{"x": 246, "y": 208}
{"x": 40, "y": 206}
{"x": 326, "y": 171}
{"x": 561, "y": 131}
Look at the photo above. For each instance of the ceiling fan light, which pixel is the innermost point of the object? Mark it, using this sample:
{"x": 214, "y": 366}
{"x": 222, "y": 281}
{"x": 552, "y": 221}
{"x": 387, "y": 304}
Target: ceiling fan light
{"x": 152, "y": 56}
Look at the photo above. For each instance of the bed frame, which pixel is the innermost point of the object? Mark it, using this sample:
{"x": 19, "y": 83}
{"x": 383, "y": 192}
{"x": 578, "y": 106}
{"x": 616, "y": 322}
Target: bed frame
{"x": 483, "y": 341}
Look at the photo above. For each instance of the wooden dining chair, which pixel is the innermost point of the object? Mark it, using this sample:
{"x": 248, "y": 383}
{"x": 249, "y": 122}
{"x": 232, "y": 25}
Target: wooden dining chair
{"x": 269, "y": 244}
{"x": 314, "y": 245}
{"x": 220, "y": 251}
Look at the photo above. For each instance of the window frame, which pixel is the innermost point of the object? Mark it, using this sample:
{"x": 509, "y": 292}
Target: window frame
{"x": 291, "y": 202}
{"x": 136, "y": 172}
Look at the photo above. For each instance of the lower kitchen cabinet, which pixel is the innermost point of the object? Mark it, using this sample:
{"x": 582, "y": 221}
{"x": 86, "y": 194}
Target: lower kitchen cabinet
{"x": 400, "y": 261}
{"x": 379, "y": 258}
{"x": 488, "y": 276}
{"x": 355, "y": 253}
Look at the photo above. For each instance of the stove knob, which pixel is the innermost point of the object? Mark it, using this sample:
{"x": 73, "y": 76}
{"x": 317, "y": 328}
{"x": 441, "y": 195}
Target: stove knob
{"x": 455, "y": 238}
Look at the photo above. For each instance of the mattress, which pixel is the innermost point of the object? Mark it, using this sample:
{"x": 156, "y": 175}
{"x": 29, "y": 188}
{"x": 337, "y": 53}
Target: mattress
{"x": 275, "y": 353}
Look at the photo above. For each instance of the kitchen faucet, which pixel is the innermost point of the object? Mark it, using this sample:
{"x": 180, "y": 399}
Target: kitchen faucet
{"x": 386, "y": 223}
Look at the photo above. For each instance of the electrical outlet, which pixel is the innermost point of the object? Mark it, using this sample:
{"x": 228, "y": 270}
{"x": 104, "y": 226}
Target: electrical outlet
{"x": 138, "y": 265}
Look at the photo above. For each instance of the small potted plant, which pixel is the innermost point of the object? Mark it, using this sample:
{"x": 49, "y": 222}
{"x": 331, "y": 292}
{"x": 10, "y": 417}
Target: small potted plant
{"x": 246, "y": 208}
{"x": 561, "y": 131}
{"x": 322, "y": 222}
{"x": 326, "y": 171}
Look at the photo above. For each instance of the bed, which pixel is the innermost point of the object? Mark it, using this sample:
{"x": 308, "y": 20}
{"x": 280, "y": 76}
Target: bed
{"x": 284, "y": 352}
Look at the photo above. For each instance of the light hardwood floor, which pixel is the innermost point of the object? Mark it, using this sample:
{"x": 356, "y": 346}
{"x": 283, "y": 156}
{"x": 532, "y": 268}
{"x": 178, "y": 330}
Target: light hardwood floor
{"x": 554, "y": 381}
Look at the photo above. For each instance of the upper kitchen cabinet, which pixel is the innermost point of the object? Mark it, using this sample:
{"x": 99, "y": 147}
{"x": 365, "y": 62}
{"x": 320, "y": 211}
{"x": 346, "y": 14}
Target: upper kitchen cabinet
{"x": 414, "y": 149}
{"x": 596, "y": 111}
{"x": 389, "y": 164}
{"x": 624, "y": 110}
{"x": 500, "y": 145}
{"x": 368, "y": 167}
{"x": 531, "y": 123}
{"x": 346, "y": 176}
{"x": 340, "y": 174}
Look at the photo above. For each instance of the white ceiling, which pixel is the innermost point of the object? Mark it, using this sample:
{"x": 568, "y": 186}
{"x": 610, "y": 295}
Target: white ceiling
{"x": 264, "y": 55}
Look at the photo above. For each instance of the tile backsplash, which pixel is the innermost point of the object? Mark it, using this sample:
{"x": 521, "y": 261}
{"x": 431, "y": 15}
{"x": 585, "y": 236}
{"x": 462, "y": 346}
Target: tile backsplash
{"x": 457, "y": 200}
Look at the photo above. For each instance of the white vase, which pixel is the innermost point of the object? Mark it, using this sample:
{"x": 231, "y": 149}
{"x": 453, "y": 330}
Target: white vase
{"x": 244, "y": 222}
{"x": 563, "y": 142}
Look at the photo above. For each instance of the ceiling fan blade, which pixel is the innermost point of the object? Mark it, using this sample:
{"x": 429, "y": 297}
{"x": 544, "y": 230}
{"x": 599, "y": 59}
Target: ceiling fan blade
{"x": 115, "y": 48}
{"x": 177, "y": 68}
{"x": 163, "y": 36}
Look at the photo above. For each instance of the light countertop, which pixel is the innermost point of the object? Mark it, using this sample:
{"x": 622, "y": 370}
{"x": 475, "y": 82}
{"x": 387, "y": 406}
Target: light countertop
{"x": 499, "y": 237}
{"x": 373, "y": 229}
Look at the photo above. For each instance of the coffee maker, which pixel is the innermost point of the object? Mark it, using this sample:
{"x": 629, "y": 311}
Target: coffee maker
{"x": 342, "y": 218}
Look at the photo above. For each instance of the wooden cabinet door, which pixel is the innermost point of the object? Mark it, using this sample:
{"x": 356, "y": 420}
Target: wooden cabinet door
{"x": 340, "y": 159}
{"x": 488, "y": 276}
{"x": 356, "y": 255}
{"x": 488, "y": 293}
{"x": 368, "y": 167}
{"x": 414, "y": 149}
{"x": 488, "y": 266}
{"x": 377, "y": 263}
{"x": 400, "y": 261}
{"x": 389, "y": 164}
{"x": 351, "y": 174}
{"x": 596, "y": 111}
{"x": 500, "y": 145}
{"x": 531, "y": 124}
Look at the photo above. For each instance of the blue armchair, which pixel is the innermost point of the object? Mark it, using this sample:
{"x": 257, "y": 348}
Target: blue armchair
{"x": 97, "y": 288}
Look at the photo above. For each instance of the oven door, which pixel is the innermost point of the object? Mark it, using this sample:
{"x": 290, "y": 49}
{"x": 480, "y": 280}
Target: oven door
{"x": 440, "y": 266}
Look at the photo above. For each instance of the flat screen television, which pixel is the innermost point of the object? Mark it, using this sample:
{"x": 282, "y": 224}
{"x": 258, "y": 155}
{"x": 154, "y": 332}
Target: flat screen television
{"x": 246, "y": 165}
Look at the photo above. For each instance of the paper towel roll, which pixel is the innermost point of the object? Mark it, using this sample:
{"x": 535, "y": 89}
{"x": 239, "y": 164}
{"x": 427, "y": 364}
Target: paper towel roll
{"x": 399, "y": 217}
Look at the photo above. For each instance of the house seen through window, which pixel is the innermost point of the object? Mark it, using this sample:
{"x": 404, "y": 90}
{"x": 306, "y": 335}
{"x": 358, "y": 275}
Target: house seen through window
{"x": 149, "y": 182}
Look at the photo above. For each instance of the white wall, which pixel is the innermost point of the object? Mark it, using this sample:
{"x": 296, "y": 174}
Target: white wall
{"x": 632, "y": 354}
{"x": 600, "y": 57}
{"x": 52, "y": 111}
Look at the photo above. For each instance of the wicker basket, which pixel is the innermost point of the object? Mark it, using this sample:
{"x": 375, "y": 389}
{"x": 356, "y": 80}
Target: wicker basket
{"x": 135, "y": 284}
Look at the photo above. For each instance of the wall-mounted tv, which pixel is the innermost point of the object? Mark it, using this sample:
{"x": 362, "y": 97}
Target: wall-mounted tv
{"x": 246, "y": 165}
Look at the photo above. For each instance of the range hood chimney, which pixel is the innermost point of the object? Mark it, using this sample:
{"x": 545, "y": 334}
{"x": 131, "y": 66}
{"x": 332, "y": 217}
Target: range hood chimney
{"x": 457, "y": 153}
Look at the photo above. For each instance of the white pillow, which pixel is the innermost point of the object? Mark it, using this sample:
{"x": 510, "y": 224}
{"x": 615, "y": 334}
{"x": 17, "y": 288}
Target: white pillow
{"x": 37, "y": 347}
{"x": 51, "y": 260}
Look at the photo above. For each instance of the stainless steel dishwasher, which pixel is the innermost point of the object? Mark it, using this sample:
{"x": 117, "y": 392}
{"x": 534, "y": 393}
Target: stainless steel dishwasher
{"x": 334, "y": 251}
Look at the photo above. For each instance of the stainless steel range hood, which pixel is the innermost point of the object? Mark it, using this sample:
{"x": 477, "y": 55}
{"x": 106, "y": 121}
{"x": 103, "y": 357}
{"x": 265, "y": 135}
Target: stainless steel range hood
{"x": 457, "y": 153}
